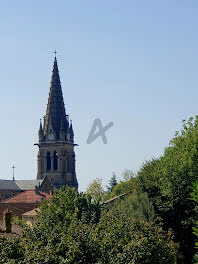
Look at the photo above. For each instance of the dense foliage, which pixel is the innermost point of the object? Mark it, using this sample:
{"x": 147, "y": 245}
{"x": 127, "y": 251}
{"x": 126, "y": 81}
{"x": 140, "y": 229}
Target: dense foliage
{"x": 10, "y": 250}
{"x": 135, "y": 205}
{"x": 112, "y": 183}
{"x": 95, "y": 189}
{"x": 168, "y": 182}
{"x": 194, "y": 197}
{"x": 73, "y": 229}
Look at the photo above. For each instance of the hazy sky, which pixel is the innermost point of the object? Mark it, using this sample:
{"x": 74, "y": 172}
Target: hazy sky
{"x": 133, "y": 63}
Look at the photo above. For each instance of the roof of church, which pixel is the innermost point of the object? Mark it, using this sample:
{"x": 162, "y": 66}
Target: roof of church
{"x": 55, "y": 114}
{"x": 29, "y": 196}
{"x": 28, "y": 184}
{"x": 8, "y": 185}
{"x": 19, "y": 184}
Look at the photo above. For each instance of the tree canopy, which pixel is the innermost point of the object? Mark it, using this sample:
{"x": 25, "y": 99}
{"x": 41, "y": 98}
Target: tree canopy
{"x": 96, "y": 190}
{"x": 72, "y": 228}
{"x": 168, "y": 182}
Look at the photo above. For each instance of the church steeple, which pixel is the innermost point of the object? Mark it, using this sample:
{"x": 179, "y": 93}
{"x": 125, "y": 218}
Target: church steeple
{"x": 56, "y": 156}
{"x": 55, "y": 119}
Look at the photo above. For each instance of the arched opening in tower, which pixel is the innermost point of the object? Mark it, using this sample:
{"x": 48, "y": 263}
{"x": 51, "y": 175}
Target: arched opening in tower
{"x": 55, "y": 161}
{"x": 48, "y": 161}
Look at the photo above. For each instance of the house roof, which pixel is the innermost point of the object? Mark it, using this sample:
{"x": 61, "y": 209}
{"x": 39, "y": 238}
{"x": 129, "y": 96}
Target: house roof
{"x": 28, "y": 184}
{"x": 31, "y": 212}
{"x": 115, "y": 198}
{"x": 29, "y": 196}
{"x": 8, "y": 185}
{"x": 22, "y": 185}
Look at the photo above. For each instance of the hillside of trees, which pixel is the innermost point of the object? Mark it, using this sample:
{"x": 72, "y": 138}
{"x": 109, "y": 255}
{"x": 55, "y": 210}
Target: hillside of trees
{"x": 154, "y": 222}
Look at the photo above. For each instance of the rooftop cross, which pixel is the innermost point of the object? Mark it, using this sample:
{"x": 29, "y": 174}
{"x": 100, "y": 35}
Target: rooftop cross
{"x": 13, "y": 172}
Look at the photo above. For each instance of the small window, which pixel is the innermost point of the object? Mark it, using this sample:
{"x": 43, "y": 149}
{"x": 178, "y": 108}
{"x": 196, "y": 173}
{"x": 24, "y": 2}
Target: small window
{"x": 48, "y": 161}
{"x": 55, "y": 161}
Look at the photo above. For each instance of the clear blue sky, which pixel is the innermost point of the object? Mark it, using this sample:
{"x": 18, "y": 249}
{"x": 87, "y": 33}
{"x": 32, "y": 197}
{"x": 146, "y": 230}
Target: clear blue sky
{"x": 134, "y": 63}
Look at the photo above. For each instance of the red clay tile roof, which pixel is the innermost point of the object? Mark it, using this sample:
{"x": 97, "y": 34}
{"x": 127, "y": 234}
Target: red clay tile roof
{"x": 28, "y": 197}
{"x": 32, "y": 212}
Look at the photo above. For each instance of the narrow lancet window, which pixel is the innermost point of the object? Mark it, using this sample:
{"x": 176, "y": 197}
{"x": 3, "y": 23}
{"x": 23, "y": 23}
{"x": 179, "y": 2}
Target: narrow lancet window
{"x": 55, "y": 160}
{"x": 48, "y": 161}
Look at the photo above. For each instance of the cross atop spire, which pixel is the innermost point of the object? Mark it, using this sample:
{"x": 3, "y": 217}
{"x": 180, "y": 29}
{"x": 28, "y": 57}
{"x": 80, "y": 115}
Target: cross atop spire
{"x": 13, "y": 167}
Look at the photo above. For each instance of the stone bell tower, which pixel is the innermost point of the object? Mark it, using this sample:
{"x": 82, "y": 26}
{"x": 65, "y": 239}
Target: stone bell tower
{"x": 56, "y": 156}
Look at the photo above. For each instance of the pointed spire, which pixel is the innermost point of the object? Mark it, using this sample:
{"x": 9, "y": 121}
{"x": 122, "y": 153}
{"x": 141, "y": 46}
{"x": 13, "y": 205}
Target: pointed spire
{"x": 55, "y": 114}
{"x": 71, "y": 131}
{"x": 71, "y": 127}
{"x": 61, "y": 126}
{"x": 41, "y": 127}
{"x": 40, "y": 133}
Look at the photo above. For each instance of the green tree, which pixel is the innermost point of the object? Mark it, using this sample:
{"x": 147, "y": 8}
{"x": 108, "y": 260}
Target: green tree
{"x": 95, "y": 189}
{"x": 72, "y": 229}
{"x": 127, "y": 175}
{"x": 134, "y": 205}
{"x": 194, "y": 197}
{"x": 123, "y": 187}
{"x": 61, "y": 233}
{"x": 11, "y": 250}
{"x": 112, "y": 183}
{"x": 127, "y": 240}
{"x": 167, "y": 181}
